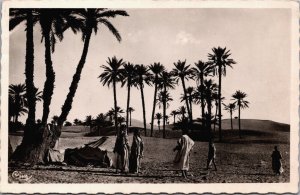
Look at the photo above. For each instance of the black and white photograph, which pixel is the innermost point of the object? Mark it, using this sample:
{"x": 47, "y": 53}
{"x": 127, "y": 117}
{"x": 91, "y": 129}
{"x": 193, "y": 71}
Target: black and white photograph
{"x": 190, "y": 96}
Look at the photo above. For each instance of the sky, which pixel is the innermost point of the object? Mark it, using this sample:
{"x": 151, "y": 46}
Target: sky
{"x": 259, "y": 41}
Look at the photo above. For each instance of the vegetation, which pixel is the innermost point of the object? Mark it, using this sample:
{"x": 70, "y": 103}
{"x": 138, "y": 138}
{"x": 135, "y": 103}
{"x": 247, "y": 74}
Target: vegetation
{"x": 240, "y": 101}
{"x": 220, "y": 60}
{"x": 197, "y": 82}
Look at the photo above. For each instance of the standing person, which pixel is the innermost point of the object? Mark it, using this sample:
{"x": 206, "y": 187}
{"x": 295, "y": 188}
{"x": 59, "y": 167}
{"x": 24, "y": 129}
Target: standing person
{"x": 211, "y": 155}
{"x": 121, "y": 151}
{"x": 276, "y": 161}
{"x": 184, "y": 146}
{"x": 136, "y": 154}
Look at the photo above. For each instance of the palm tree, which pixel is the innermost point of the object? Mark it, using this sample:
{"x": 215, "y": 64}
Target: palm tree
{"x": 167, "y": 81}
{"x": 219, "y": 59}
{"x": 88, "y": 121}
{"x": 130, "y": 110}
{"x": 215, "y": 98}
{"x": 190, "y": 97}
{"x": 110, "y": 114}
{"x": 17, "y": 95}
{"x": 230, "y": 108}
{"x": 142, "y": 76}
{"x": 112, "y": 74}
{"x": 164, "y": 98}
{"x": 156, "y": 69}
{"x": 76, "y": 121}
{"x": 158, "y": 117}
{"x": 127, "y": 73}
{"x": 201, "y": 71}
{"x": 174, "y": 113}
{"x": 54, "y": 119}
{"x": 183, "y": 72}
{"x": 53, "y": 24}
{"x": 241, "y": 103}
{"x": 118, "y": 110}
{"x": 17, "y": 16}
{"x": 89, "y": 20}
{"x": 210, "y": 89}
{"x": 182, "y": 110}
{"x": 37, "y": 97}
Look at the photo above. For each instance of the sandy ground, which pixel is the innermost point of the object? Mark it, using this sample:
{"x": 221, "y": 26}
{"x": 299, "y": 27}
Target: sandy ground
{"x": 236, "y": 163}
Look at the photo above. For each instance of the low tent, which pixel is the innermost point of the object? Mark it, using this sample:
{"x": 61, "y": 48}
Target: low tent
{"x": 89, "y": 154}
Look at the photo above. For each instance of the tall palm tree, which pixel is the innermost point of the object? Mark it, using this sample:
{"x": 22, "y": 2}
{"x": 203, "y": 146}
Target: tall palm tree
{"x": 239, "y": 97}
{"x": 18, "y": 16}
{"x": 17, "y": 94}
{"x": 112, "y": 75}
{"x": 174, "y": 114}
{"x": 142, "y": 77}
{"x": 53, "y": 24}
{"x": 220, "y": 60}
{"x": 230, "y": 108}
{"x": 156, "y": 69}
{"x": 163, "y": 100}
{"x": 167, "y": 81}
{"x": 127, "y": 73}
{"x": 89, "y": 21}
{"x": 130, "y": 110}
{"x": 158, "y": 117}
{"x": 201, "y": 71}
{"x": 210, "y": 89}
{"x": 183, "y": 72}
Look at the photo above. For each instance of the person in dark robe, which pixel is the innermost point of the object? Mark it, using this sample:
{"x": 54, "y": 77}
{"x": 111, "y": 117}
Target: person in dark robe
{"x": 136, "y": 153}
{"x": 121, "y": 151}
{"x": 211, "y": 155}
{"x": 276, "y": 161}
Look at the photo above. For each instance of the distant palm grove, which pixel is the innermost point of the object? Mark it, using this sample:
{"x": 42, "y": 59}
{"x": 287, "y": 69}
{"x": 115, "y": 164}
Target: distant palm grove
{"x": 207, "y": 74}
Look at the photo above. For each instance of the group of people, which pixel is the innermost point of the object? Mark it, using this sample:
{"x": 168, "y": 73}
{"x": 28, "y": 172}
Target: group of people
{"x": 131, "y": 161}
{"x": 128, "y": 161}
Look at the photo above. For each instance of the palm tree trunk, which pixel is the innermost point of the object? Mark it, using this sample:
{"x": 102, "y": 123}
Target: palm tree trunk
{"x": 164, "y": 113}
{"x": 216, "y": 114}
{"x": 174, "y": 119}
{"x": 186, "y": 100}
{"x": 116, "y": 105}
{"x": 130, "y": 118}
{"x": 50, "y": 79}
{"x": 240, "y": 133}
{"x": 209, "y": 117}
{"x": 231, "y": 120}
{"x": 219, "y": 93}
{"x": 191, "y": 107}
{"x": 128, "y": 102}
{"x": 153, "y": 109}
{"x": 29, "y": 71}
{"x": 74, "y": 84}
{"x": 144, "y": 111}
{"x": 202, "y": 98}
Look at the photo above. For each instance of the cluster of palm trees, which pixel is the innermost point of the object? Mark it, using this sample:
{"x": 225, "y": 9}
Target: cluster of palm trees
{"x": 53, "y": 23}
{"x": 18, "y": 103}
{"x": 207, "y": 91}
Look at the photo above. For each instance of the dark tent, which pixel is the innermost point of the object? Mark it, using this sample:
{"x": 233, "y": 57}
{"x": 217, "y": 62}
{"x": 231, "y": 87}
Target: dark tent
{"x": 90, "y": 154}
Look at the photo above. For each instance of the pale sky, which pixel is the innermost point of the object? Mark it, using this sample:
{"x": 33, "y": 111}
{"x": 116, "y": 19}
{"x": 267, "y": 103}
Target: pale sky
{"x": 259, "y": 40}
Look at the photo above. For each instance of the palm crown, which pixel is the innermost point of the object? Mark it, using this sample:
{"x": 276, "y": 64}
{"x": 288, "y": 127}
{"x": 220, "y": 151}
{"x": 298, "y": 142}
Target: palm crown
{"x": 182, "y": 71}
{"x": 111, "y": 72}
{"x": 239, "y": 97}
{"x": 202, "y": 70}
{"x": 220, "y": 59}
